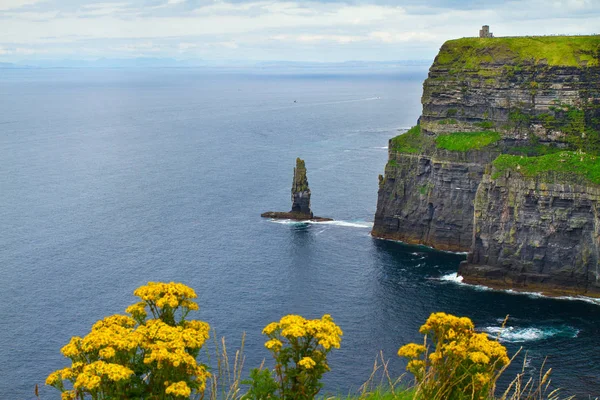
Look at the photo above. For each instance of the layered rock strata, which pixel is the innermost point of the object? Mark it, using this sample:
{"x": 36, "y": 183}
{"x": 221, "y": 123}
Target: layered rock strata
{"x": 525, "y": 97}
{"x": 532, "y": 234}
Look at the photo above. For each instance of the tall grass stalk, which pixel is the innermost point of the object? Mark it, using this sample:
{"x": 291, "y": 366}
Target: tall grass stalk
{"x": 532, "y": 389}
{"x": 226, "y": 377}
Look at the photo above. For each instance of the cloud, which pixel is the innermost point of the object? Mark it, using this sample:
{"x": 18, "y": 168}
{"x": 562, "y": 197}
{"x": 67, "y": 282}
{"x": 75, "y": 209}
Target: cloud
{"x": 268, "y": 29}
{"x": 15, "y": 4}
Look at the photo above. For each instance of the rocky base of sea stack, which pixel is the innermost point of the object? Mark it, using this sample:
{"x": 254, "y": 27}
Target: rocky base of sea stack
{"x": 295, "y": 216}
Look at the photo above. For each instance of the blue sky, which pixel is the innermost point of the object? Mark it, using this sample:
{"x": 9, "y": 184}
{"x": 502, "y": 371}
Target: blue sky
{"x": 261, "y": 30}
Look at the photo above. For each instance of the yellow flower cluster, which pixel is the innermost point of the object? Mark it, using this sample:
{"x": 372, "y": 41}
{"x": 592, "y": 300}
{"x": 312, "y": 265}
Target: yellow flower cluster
{"x": 93, "y": 374}
{"x": 166, "y": 344}
{"x": 178, "y": 389}
{"x": 447, "y": 323}
{"x": 167, "y": 294}
{"x": 58, "y": 376}
{"x": 68, "y": 395}
{"x": 300, "y": 347}
{"x": 307, "y": 362}
{"x": 145, "y": 346}
{"x": 114, "y": 333}
{"x": 460, "y": 353}
{"x": 324, "y": 330}
{"x": 137, "y": 310}
{"x": 411, "y": 350}
{"x": 273, "y": 344}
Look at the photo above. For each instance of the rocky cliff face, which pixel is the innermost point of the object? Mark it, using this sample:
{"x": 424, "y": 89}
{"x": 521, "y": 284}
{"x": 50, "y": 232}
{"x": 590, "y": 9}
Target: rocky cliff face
{"x": 477, "y": 84}
{"x": 428, "y": 199}
{"x": 529, "y": 233}
{"x": 524, "y": 101}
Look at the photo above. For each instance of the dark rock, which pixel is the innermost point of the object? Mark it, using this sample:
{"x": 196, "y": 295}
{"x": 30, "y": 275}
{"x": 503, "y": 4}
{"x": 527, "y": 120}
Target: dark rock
{"x": 300, "y": 199}
{"x": 293, "y": 216}
{"x": 300, "y": 190}
{"x": 532, "y": 234}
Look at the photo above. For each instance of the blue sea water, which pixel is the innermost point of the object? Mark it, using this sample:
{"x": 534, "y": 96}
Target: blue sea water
{"x": 113, "y": 178}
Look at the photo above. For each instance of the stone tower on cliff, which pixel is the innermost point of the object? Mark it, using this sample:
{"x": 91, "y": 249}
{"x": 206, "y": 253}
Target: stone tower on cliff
{"x": 484, "y": 32}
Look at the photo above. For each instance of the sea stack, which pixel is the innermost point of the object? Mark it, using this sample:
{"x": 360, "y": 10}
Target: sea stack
{"x": 300, "y": 190}
{"x": 300, "y": 198}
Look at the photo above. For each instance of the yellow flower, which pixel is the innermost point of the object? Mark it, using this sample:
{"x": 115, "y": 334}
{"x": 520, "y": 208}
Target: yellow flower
{"x": 167, "y": 294}
{"x": 59, "y": 375}
{"x": 307, "y": 363}
{"x": 53, "y": 378}
{"x": 93, "y": 374}
{"x": 416, "y": 366}
{"x": 179, "y": 389}
{"x": 435, "y": 357}
{"x": 270, "y": 328}
{"x": 137, "y": 309}
{"x": 68, "y": 395}
{"x": 73, "y": 348}
{"x": 482, "y": 379}
{"x": 479, "y": 358}
{"x": 411, "y": 350}
{"x": 273, "y": 344}
{"x": 108, "y": 352}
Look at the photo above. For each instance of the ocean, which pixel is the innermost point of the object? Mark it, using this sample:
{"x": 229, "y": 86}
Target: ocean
{"x": 112, "y": 178}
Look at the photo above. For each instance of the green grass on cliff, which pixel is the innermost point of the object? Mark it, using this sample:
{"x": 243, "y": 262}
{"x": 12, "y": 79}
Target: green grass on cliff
{"x": 409, "y": 142}
{"x": 564, "y": 164}
{"x": 571, "y": 51}
{"x": 413, "y": 142}
{"x": 464, "y": 141}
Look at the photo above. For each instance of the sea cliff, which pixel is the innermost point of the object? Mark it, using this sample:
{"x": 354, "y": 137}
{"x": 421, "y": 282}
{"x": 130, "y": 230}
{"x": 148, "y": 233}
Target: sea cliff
{"x": 503, "y": 163}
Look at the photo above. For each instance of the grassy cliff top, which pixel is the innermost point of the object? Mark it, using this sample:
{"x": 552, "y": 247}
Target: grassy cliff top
{"x": 565, "y": 164}
{"x": 414, "y": 142}
{"x": 570, "y": 51}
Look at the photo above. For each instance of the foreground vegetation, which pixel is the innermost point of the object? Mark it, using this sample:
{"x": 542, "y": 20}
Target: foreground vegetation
{"x": 152, "y": 353}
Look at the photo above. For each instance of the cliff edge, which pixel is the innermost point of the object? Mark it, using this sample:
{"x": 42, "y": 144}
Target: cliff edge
{"x": 503, "y": 163}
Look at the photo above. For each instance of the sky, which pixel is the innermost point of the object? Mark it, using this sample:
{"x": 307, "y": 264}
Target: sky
{"x": 261, "y": 30}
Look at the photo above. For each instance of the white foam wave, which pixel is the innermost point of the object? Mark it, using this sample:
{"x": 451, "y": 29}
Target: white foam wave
{"x": 288, "y": 222}
{"x": 356, "y": 224}
{"x": 455, "y": 278}
{"x": 513, "y": 334}
{"x": 349, "y": 224}
{"x": 590, "y": 300}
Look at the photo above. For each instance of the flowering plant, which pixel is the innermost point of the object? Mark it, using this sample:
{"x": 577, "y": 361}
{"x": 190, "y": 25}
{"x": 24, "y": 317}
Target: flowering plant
{"x": 461, "y": 362}
{"x": 300, "y": 347}
{"x": 133, "y": 356}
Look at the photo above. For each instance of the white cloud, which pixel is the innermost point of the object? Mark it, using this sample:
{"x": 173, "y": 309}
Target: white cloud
{"x": 137, "y": 47}
{"x": 276, "y": 29}
{"x": 398, "y": 37}
{"x": 14, "y": 4}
